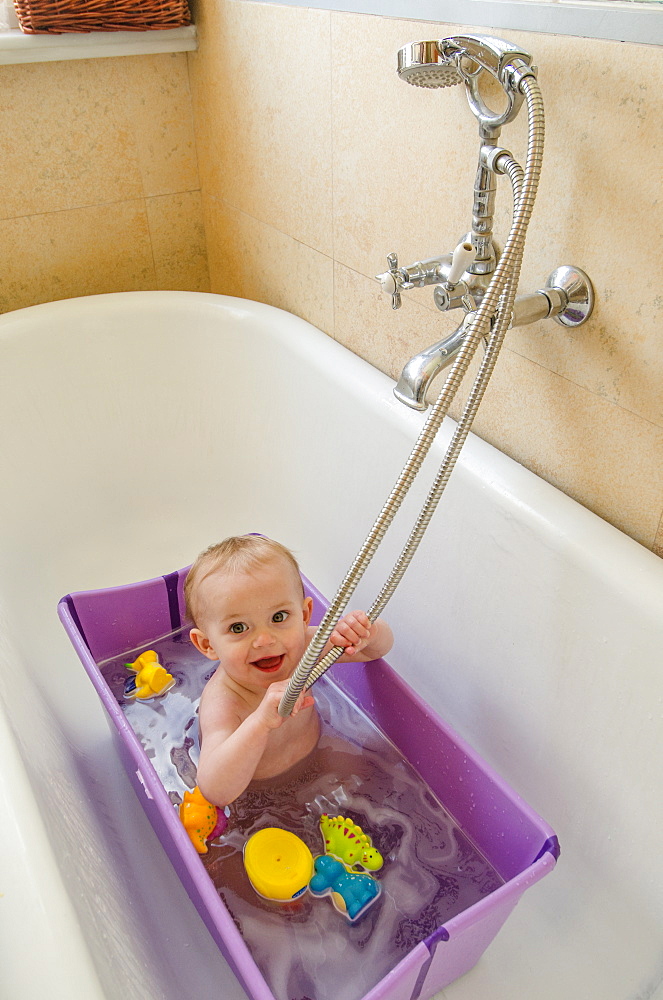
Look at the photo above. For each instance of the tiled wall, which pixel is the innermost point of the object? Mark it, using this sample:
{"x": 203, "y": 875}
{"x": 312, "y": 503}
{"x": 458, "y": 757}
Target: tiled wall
{"x": 316, "y": 161}
{"x": 99, "y": 187}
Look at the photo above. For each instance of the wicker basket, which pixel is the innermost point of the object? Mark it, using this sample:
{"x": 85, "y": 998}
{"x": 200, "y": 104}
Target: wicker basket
{"x": 56, "y": 16}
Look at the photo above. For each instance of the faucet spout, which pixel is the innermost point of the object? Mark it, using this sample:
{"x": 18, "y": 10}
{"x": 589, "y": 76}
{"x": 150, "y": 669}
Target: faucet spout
{"x": 420, "y": 370}
{"x": 567, "y": 297}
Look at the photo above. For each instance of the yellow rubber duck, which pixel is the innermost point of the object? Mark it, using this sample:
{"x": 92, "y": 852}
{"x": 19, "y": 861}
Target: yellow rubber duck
{"x": 151, "y": 679}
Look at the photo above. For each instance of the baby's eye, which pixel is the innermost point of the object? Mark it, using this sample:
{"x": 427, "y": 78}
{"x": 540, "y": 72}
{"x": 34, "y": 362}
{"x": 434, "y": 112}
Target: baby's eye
{"x": 238, "y": 627}
{"x": 279, "y": 616}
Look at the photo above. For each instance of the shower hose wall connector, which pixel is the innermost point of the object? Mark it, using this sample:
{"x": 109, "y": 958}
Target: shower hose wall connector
{"x": 476, "y": 277}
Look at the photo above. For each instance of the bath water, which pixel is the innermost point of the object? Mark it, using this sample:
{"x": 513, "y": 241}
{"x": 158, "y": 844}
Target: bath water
{"x": 307, "y": 950}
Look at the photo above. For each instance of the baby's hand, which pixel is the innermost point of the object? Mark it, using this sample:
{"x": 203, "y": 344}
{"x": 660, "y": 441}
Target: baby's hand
{"x": 353, "y": 631}
{"x": 268, "y": 709}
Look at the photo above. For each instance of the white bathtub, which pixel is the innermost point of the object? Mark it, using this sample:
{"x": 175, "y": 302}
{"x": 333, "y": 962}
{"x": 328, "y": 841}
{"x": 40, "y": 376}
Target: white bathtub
{"x": 136, "y": 428}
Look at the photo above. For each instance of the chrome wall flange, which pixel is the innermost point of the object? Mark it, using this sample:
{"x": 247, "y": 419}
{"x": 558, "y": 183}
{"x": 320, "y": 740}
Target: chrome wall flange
{"x": 579, "y": 291}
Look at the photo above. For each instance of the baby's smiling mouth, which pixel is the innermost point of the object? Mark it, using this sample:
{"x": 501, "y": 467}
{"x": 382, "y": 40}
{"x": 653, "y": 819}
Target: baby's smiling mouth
{"x": 269, "y": 664}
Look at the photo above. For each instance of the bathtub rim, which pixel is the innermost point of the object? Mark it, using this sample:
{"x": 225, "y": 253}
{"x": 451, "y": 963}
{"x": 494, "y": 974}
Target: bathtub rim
{"x": 543, "y": 506}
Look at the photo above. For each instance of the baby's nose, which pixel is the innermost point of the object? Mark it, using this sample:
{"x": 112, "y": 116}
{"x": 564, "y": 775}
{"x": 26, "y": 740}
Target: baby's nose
{"x": 264, "y": 638}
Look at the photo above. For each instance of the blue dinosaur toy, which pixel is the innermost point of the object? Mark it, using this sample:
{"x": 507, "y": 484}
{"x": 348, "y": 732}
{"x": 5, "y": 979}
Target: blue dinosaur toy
{"x": 351, "y": 893}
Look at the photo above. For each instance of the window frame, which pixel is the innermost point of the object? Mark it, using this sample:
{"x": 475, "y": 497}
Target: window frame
{"x": 603, "y": 19}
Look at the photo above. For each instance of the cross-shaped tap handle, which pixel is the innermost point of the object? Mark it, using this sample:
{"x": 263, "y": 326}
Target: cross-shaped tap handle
{"x": 391, "y": 281}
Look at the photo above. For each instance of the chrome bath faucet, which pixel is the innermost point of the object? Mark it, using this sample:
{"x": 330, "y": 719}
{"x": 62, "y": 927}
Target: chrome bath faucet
{"x": 462, "y": 277}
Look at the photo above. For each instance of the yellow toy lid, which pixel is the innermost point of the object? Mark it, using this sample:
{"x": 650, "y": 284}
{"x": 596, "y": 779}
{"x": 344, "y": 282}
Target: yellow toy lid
{"x": 278, "y": 863}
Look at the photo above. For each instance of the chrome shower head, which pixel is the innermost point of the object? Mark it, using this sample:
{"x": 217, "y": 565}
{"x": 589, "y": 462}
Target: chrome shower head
{"x": 423, "y": 65}
{"x": 463, "y": 59}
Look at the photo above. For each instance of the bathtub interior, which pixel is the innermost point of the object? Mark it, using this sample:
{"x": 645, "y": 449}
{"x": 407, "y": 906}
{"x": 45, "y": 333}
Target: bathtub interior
{"x": 136, "y": 429}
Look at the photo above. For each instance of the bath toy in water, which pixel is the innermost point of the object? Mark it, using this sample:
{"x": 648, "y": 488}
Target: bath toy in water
{"x": 281, "y": 867}
{"x": 278, "y": 863}
{"x": 352, "y": 893}
{"x": 151, "y": 679}
{"x": 202, "y": 820}
{"x": 346, "y": 841}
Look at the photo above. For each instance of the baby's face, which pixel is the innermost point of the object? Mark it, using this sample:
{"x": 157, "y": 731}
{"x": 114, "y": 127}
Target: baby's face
{"x": 255, "y": 622}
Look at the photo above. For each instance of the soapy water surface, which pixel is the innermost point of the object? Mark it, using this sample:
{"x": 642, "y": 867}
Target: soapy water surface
{"x": 306, "y": 950}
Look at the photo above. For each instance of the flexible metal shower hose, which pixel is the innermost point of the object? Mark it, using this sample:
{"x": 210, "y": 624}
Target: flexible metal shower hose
{"x": 496, "y": 308}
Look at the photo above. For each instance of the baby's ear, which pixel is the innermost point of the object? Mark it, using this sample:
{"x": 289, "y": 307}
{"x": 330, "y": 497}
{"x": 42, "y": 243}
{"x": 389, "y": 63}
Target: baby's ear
{"x": 307, "y": 609}
{"x": 202, "y": 643}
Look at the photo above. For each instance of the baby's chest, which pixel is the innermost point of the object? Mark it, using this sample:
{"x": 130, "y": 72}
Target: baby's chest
{"x": 288, "y": 744}
{"x": 293, "y": 730}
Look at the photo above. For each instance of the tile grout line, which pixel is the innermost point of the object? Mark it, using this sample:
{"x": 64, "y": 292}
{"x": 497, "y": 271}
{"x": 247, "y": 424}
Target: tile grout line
{"x": 97, "y": 204}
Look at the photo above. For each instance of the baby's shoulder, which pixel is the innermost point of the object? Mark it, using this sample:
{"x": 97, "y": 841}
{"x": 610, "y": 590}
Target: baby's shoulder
{"x": 220, "y": 711}
{"x": 218, "y": 698}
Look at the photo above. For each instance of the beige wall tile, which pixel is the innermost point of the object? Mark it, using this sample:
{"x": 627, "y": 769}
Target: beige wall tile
{"x": 82, "y": 142}
{"x": 65, "y": 139}
{"x": 177, "y": 234}
{"x": 158, "y": 108}
{"x": 365, "y": 323}
{"x": 262, "y": 81}
{"x": 599, "y": 207}
{"x": 404, "y": 157}
{"x": 607, "y": 458}
{"x": 84, "y": 251}
{"x": 94, "y": 131}
{"x": 256, "y": 261}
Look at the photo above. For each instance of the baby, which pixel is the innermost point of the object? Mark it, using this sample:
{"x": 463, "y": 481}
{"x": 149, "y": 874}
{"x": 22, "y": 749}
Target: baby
{"x": 246, "y": 598}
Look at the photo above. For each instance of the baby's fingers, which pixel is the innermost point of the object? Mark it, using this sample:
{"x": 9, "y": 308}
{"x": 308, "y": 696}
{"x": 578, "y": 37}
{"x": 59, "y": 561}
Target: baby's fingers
{"x": 304, "y": 701}
{"x": 352, "y": 631}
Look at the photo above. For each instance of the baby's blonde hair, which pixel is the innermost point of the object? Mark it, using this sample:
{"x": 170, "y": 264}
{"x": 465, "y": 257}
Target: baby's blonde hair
{"x": 236, "y": 554}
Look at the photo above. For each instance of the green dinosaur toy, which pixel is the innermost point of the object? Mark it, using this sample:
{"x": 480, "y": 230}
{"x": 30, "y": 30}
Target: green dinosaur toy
{"x": 348, "y": 842}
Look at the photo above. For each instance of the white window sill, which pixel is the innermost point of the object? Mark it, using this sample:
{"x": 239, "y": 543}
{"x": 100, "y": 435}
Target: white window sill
{"x": 609, "y": 19}
{"x": 17, "y": 47}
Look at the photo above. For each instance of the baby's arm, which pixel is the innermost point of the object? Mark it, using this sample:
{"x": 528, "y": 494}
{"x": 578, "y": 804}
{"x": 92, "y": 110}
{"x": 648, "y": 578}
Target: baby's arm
{"x": 362, "y": 640}
{"x": 232, "y": 748}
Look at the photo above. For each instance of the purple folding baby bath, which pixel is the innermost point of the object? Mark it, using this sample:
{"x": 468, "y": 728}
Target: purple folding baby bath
{"x": 103, "y": 624}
